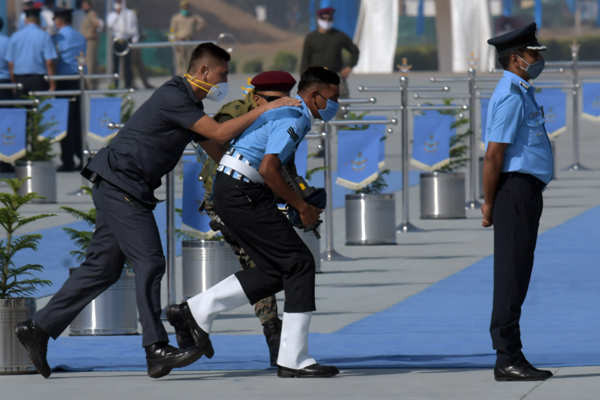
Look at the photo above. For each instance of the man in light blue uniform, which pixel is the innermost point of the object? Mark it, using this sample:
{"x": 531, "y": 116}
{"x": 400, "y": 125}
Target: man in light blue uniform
{"x": 71, "y": 46}
{"x": 31, "y": 55}
{"x": 518, "y": 165}
{"x": 4, "y": 71}
{"x": 247, "y": 180}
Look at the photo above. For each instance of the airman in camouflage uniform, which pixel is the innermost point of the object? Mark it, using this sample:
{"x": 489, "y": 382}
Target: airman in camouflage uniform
{"x": 267, "y": 86}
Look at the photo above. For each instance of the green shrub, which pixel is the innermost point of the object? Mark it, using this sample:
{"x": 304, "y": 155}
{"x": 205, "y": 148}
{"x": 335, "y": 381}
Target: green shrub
{"x": 285, "y": 61}
{"x": 421, "y": 57}
{"x": 253, "y": 66}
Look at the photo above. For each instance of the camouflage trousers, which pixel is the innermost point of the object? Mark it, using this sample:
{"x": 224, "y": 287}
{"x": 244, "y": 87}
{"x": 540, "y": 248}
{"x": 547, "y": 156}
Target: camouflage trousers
{"x": 265, "y": 309}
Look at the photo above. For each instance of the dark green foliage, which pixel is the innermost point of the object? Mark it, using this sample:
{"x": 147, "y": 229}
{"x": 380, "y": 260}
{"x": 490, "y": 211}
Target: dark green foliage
{"x": 18, "y": 281}
{"x": 458, "y": 148}
{"x": 81, "y": 238}
{"x": 38, "y": 148}
{"x": 377, "y": 186}
{"x": 285, "y": 61}
{"x": 253, "y": 66}
{"x": 127, "y": 107}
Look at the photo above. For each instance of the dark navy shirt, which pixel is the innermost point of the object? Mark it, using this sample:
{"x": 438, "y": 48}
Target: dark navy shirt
{"x": 151, "y": 142}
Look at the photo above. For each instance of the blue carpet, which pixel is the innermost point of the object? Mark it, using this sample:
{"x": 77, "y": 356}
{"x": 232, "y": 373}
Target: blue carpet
{"x": 444, "y": 326}
{"x": 54, "y": 248}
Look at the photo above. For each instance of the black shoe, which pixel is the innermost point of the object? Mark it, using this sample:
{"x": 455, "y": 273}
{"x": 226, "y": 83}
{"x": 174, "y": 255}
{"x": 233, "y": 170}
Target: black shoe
{"x": 272, "y": 331}
{"x": 35, "y": 340}
{"x": 187, "y": 331}
{"x": 520, "y": 370}
{"x": 161, "y": 358}
{"x": 312, "y": 371}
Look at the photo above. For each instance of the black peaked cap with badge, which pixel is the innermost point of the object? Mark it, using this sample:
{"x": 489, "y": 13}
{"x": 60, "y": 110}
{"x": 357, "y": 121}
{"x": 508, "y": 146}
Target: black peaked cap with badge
{"x": 523, "y": 38}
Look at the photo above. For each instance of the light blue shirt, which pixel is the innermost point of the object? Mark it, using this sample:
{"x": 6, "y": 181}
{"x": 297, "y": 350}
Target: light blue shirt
{"x": 277, "y": 131}
{"x": 69, "y": 44}
{"x": 4, "y": 72}
{"x": 29, "y": 49}
{"x": 515, "y": 117}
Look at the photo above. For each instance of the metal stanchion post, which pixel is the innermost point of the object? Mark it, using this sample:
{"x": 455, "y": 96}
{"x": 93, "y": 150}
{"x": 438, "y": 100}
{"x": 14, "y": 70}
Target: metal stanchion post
{"x": 329, "y": 254}
{"x": 576, "y": 166}
{"x": 171, "y": 289}
{"x": 472, "y": 202}
{"x": 83, "y": 117}
{"x": 405, "y": 225}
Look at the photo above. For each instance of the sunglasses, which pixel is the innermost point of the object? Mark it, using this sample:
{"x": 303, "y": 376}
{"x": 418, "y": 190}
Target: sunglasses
{"x": 268, "y": 98}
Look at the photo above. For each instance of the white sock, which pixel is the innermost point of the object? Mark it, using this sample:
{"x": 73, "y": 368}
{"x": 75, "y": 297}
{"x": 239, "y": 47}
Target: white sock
{"x": 223, "y": 296}
{"x": 293, "y": 348}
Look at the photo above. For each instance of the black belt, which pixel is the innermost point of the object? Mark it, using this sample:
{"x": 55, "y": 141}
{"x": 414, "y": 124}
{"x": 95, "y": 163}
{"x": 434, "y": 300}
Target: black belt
{"x": 528, "y": 177}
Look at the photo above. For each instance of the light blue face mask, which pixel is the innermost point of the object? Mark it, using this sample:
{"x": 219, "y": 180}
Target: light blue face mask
{"x": 329, "y": 111}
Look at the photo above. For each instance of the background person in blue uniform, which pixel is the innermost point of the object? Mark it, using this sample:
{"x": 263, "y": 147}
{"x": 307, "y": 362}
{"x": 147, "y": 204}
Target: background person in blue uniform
{"x": 31, "y": 55}
{"x": 125, "y": 175}
{"x": 5, "y": 94}
{"x": 517, "y": 166}
{"x": 71, "y": 46}
{"x": 248, "y": 178}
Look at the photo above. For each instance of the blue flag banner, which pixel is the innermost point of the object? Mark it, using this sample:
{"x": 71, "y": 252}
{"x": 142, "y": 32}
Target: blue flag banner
{"x": 193, "y": 194}
{"x": 13, "y": 142}
{"x": 484, "y": 109}
{"x": 431, "y": 140}
{"x": 360, "y": 155}
{"x": 57, "y": 116}
{"x": 301, "y": 158}
{"x": 554, "y": 102}
{"x": 421, "y": 18}
{"x": 507, "y": 7}
{"x": 104, "y": 110}
{"x": 538, "y": 13}
{"x": 591, "y": 100}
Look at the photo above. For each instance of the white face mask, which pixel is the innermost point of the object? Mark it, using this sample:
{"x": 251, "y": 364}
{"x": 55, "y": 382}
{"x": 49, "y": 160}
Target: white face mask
{"x": 218, "y": 92}
{"x": 323, "y": 24}
{"x": 117, "y": 6}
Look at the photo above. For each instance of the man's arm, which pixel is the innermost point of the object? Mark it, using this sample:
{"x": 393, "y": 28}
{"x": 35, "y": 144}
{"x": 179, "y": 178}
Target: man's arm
{"x": 50, "y": 68}
{"x": 492, "y": 166}
{"x": 11, "y": 71}
{"x": 214, "y": 149}
{"x": 349, "y": 45}
{"x": 224, "y": 132}
{"x": 270, "y": 170}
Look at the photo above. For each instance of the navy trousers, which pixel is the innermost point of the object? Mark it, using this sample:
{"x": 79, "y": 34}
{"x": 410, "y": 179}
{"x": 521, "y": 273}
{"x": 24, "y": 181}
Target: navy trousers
{"x": 125, "y": 232}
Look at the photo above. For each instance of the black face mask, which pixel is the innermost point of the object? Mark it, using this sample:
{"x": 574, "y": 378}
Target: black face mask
{"x": 268, "y": 98}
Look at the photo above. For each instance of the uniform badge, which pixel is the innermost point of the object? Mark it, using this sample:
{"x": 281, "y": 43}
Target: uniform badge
{"x": 292, "y": 134}
{"x": 526, "y": 86}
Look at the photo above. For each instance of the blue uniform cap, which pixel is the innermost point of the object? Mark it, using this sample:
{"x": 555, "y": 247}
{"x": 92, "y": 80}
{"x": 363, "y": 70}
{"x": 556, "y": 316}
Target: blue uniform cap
{"x": 518, "y": 39}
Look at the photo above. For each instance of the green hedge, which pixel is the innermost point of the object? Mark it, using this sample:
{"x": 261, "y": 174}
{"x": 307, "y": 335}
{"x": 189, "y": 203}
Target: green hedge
{"x": 422, "y": 57}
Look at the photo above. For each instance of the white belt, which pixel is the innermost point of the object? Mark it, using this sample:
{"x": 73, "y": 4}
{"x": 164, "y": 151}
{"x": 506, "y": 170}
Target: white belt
{"x": 241, "y": 167}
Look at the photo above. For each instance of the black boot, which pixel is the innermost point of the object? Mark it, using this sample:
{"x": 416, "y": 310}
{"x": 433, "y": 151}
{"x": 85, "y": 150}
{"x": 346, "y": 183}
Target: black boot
{"x": 35, "y": 340}
{"x": 272, "y": 331}
{"x": 517, "y": 368}
{"x": 312, "y": 371}
{"x": 162, "y": 358}
{"x": 187, "y": 331}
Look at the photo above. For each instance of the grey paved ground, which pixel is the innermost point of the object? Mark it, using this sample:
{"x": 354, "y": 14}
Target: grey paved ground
{"x": 375, "y": 279}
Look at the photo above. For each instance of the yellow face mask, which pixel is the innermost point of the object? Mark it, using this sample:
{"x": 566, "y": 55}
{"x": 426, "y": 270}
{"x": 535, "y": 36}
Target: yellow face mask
{"x": 197, "y": 82}
{"x": 217, "y": 92}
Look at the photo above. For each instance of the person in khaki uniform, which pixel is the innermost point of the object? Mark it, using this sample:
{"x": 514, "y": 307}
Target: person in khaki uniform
{"x": 183, "y": 27}
{"x": 267, "y": 86}
{"x": 91, "y": 25}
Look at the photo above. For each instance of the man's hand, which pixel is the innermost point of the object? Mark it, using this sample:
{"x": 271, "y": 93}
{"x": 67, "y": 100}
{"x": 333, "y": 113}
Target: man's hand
{"x": 345, "y": 72}
{"x": 486, "y": 212}
{"x": 282, "y": 102}
{"x": 309, "y": 214}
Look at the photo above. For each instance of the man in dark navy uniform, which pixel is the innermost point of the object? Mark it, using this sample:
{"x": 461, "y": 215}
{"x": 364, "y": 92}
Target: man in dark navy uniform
{"x": 518, "y": 165}
{"x": 125, "y": 175}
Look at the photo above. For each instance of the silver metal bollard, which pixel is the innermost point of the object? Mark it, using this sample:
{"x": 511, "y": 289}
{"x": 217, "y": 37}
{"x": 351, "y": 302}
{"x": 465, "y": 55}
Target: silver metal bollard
{"x": 204, "y": 264}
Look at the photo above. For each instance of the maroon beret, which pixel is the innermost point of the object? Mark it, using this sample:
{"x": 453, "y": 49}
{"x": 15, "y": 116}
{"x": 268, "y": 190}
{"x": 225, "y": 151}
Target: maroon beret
{"x": 326, "y": 10}
{"x": 273, "y": 80}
